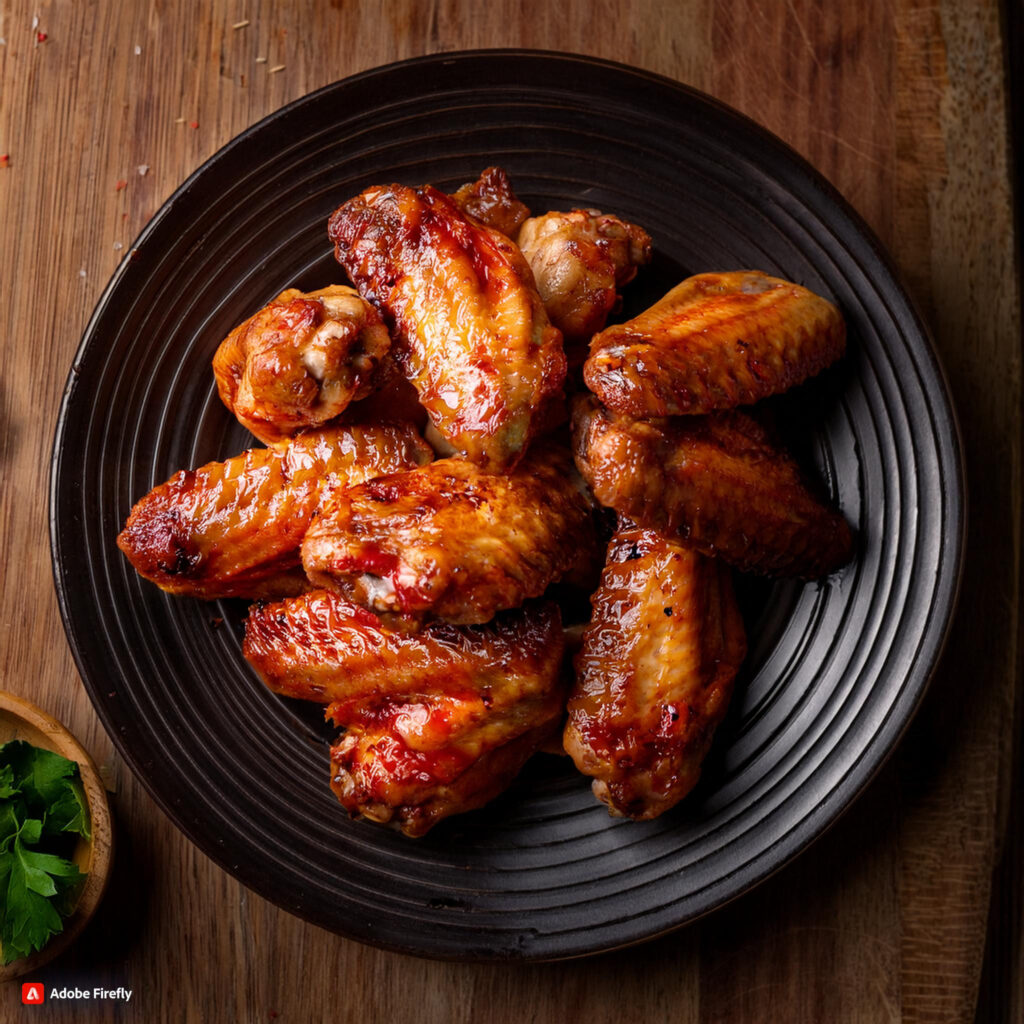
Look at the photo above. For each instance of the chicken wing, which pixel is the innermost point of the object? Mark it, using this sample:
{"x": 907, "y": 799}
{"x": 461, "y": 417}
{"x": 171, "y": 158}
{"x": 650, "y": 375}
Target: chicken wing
{"x": 436, "y": 723}
{"x": 716, "y": 480}
{"x": 491, "y": 201}
{"x": 655, "y": 672}
{"x": 714, "y": 342}
{"x": 300, "y": 361}
{"x": 469, "y": 328}
{"x": 580, "y": 259}
{"x": 233, "y": 529}
{"x": 449, "y": 541}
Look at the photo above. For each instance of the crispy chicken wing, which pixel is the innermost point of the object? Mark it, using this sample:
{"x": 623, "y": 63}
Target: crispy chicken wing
{"x": 491, "y": 201}
{"x": 449, "y": 541}
{"x": 655, "y": 673}
{"x": 580, "y": 259}
{"x": 714, "y": 342}
{"x": 437, "y": 722}
{"x": 233, "y": 529}
{"x": 716, "y": 480}
{"x": 469, "y": 328}
{"x": 300, "y": 361}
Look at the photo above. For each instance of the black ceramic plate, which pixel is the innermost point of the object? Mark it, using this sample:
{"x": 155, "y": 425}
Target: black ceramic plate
{"x": 836, "y": 668}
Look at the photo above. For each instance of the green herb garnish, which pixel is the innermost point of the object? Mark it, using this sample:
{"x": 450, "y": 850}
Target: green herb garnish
{"x": 42, "y": 810}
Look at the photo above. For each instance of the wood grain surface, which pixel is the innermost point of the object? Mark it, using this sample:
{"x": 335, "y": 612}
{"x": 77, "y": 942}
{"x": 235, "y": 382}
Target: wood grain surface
{"x": 106, "y": 107}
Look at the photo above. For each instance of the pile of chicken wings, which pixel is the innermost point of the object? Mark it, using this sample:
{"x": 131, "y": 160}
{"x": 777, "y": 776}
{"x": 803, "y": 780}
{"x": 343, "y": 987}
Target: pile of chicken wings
{"x": 460, "y": 437}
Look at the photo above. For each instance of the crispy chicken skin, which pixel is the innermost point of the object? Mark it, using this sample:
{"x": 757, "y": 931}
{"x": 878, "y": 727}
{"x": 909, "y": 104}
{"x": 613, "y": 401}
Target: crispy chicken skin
{"x": 491, "y": 201}
{"x": 715, "y": 480}
{"x": 300, "y": 361}
{"x": 469, "y": 328}
{"x": 233, "y": 529}
{"x": 714, "y": 342}
{"x": 449, "y": 541}
{"x": 323, "y": 648}
{"x": 437, "y": 722}
{"x": 655, "y": 672}
{"x": 579, "y": 260}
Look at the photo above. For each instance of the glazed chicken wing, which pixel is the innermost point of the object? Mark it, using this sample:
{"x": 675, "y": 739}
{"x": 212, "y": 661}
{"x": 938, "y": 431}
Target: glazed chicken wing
{"x": 655, "y": 673}
{"x": 714, "y": 342}
{"x": 437, "y": 722}
{"x": 469, "y": 328}
{"x": 491, "y": 201}
{"x": 449, "y": 541}
{"x": 715, "y": 480}
{"x": 233, "y": 529}
{"x": 300, "y": 361}
{"x": 580, "y": 259}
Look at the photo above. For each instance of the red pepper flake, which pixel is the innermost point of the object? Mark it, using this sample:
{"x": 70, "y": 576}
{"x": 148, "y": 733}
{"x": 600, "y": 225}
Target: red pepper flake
{"x": 193, "y": 124}
{"x": 5, "y": 160}
{"x": 120, "y": 185}
{"x": 41, "y": 37}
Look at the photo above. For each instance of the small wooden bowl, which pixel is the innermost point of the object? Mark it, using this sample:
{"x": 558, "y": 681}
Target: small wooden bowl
{"x": 21, "y": 720}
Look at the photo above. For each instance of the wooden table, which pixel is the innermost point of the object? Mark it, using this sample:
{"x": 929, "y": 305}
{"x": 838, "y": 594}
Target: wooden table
{"x": 106, "y": 107}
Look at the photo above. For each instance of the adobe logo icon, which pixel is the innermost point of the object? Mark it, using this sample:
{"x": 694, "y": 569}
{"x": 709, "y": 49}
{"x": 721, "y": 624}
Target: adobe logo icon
{"x": 32, "y": 992}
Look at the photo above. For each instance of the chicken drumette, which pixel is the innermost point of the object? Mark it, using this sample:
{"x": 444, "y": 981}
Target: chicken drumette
{"x": 300, "y": 361}
{"x": 580, "y": 259}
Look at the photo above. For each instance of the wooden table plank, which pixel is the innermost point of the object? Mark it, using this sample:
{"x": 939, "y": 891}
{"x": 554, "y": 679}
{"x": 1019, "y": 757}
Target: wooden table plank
{"x": 902, "y": 106}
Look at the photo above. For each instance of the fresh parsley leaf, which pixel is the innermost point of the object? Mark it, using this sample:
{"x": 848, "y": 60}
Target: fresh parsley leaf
{"x": 30, "y": 831}
{"x": 69, "y": 812}
{"x": 39, "y": 773}
{"x": 41, "y": 798}
{"x": 30, "y": 920}
{"x": 50, "y": 786}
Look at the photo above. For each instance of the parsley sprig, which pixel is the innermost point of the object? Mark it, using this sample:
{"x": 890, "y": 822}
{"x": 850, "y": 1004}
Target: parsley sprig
{"x": 42, "y": 810}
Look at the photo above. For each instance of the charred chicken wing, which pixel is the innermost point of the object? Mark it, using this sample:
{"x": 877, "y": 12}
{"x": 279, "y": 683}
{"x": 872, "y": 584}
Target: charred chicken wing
{"x": 655, "y": 673}
{"x": 449, "y": 541}
{"x": 300, "y": 361}
{"x": 436, "y": 722}
{"x": 491, "y": 201}
{"x": 715, "y": 480}
{"x": 714, "y": 342}
{"x": 233, "y": 529}
{"x": 580, "y": 259}
{"x": 469, "y": 328}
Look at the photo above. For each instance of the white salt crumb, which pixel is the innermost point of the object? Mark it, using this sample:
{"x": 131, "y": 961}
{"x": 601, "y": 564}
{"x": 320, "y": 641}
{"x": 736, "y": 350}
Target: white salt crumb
{"x": 240, "y": 24}
{"x": 275, "y": 69}
{"x": 3, "y": 42}
{"x": 35, "y": 22}
{"x": 117, "y": 245}
{"x": 143, "y": 169}
{"x": 261, "y": 60}
{"x": 81, "y": 273}
{"x": 138, "y": 50}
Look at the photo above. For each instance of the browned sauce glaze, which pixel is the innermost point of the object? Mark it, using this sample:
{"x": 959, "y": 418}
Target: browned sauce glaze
{"x": 714, "y": 342}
